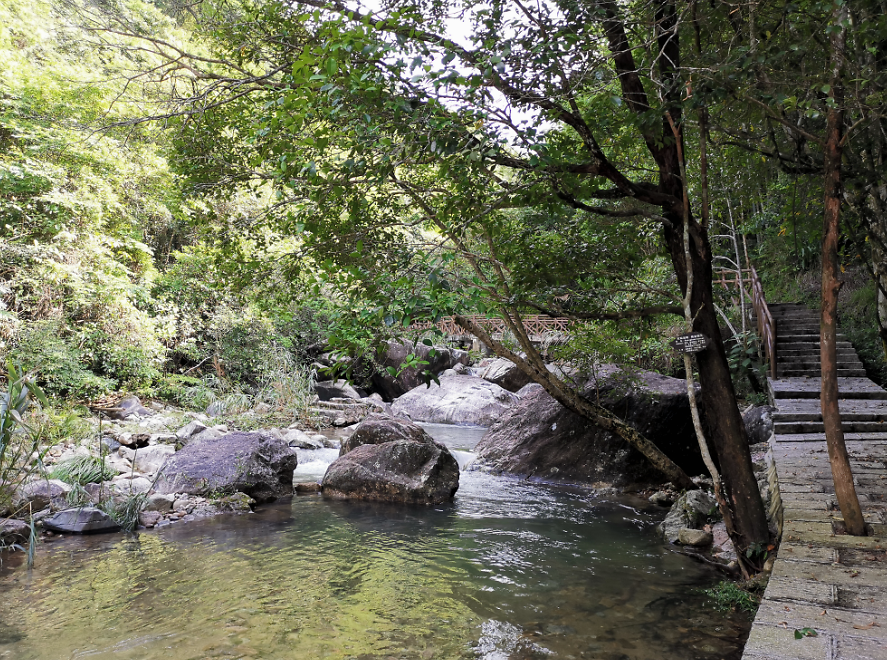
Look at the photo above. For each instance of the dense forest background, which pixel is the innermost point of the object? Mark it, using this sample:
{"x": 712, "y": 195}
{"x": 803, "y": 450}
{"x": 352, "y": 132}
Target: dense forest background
{"x": 133, "y": 261}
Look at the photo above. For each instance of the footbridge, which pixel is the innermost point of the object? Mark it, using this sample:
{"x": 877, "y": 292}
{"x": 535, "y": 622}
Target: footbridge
{"x": 540, "y": 329}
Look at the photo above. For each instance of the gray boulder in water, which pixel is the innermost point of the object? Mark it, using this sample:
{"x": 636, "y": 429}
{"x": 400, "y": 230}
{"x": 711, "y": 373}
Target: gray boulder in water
{"x": 392, "y": 460}
{"x": 378, "y": 429}
{"x": 258, "y": 464}
{"x": 541, "y": 439}
{"x": 458, "y": 399}
{"x": 81, "y": 520}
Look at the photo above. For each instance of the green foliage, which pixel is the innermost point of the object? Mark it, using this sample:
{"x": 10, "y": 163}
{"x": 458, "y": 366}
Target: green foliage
{"x": 18, "y": 443}
{"x": 729, "y": 596}
{"x": 57, "y": 361}
{"x": 125, "y": 511}
{"x": 82, "y": 470}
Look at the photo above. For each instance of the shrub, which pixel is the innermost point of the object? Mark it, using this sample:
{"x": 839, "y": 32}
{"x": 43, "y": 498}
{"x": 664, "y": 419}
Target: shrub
{"x": 82, "y": 470}
{"x": 729, "y": 596}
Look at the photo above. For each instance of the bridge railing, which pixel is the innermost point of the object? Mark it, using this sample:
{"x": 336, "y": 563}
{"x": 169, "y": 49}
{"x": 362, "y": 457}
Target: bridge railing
{"x": 534, "y": 325}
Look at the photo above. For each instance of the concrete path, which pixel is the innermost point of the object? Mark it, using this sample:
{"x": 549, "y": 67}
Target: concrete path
{"x": 823, "y": 580}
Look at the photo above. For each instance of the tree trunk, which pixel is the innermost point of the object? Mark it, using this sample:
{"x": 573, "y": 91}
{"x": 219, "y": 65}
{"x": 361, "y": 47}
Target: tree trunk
{"x": 831, "y": 285}
{"x": 719, "y": 406}
{"x": 568, "y": 397}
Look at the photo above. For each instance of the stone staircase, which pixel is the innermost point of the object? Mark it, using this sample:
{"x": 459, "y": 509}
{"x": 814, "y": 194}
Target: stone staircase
{"x": 795, "y": 391}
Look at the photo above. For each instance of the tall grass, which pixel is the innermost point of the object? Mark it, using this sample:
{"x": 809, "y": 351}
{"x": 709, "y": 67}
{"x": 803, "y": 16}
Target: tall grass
{"x": 19, "y": 444}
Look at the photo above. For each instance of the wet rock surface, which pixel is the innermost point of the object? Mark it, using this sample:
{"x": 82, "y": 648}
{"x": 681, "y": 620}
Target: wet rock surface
{"x": 758, "y": 424}
{"x": 258, "y": 464}
{"x": 505, "y": 374}
{"x": 539, "y": 438}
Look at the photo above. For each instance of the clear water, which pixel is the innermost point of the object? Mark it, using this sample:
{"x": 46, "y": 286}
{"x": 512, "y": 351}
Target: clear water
{"x": 511, "y": 570}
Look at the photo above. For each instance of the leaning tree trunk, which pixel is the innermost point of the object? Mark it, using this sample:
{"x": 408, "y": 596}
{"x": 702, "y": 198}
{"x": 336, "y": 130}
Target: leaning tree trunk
{"x": 746, "y": 512}
{"x": 831, "y": 285}
{"x": 533, "y": 366}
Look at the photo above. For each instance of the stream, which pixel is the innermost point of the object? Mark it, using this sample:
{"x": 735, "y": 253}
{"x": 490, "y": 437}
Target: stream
{"x": 512, "y": 570}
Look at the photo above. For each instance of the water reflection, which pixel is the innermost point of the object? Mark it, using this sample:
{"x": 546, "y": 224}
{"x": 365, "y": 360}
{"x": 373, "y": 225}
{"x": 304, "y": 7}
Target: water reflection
{"x": 511, "y": 570}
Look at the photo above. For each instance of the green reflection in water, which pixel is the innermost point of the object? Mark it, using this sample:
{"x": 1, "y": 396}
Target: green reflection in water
{"x": 512, "y": 570}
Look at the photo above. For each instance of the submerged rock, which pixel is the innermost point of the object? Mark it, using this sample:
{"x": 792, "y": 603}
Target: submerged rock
{"x": 458, "y": 399}
{"x": 82, "y": 520}
{"x": 691, "y": 511}
{"x": 258, "y": 464}
{"x": 540, "y": 438}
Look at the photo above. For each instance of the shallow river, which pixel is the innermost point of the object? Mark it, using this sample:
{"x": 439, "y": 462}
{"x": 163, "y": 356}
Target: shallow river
{"x": 511, "y": 570}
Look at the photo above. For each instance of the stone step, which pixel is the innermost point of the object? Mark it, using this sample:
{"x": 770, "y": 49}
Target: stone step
{"x": 808, "y": 388}
{"x": 801, "y": 338}
{"x": 846, "y": 406}
{"x": 820, "y": 437}
{"x": 849, "y": 426}
{"x": 843, "y": 354}
{"x": 812, "y": 360}
{"x": 816, "y": 416}
{"x": 788, "y": 372}
{"x": 808, "y": 345}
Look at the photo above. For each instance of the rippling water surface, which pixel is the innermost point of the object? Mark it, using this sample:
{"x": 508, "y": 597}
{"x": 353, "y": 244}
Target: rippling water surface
{"x": 511, "y": 570}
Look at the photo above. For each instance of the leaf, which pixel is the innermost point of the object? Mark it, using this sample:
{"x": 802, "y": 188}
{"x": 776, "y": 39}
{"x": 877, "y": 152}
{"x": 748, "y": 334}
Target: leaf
{"x": 805, "y": 632}
{"x": 867, "y": 626}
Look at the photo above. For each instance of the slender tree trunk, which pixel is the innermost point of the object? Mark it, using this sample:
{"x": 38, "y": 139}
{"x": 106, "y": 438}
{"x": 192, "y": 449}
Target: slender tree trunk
{"x": 831, "y": 285}
{"x": 568, "y": 397}
{"x": 727, "y": 431}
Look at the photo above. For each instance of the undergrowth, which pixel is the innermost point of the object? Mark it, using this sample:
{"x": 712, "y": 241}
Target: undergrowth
{"x": 82, "y": 470}
{"x": 731, "y": 597}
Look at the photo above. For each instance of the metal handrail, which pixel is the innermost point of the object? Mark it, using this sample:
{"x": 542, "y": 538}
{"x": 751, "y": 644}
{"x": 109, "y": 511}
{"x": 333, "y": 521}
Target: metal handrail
{"x": 766, "y": 324}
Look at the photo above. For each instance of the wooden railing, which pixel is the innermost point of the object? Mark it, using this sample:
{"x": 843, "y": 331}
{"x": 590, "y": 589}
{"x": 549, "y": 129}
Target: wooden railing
{"x": 766, "y": 324}
{"x": 534, "y": 325}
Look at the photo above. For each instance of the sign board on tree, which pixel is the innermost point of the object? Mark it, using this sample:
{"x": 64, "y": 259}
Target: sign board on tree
{"x": 692, "y": 342}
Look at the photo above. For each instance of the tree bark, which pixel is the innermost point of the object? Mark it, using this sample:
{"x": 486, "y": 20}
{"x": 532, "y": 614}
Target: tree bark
{"x": 831, "y": 285}
{"x": 572, "y": 400}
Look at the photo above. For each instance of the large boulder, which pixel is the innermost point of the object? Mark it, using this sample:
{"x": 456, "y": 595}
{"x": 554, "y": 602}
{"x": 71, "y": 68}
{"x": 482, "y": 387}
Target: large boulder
{"x": 458, "y": 399}
{"x": 398, "y": 471}
{"x": 335, "y": 389}
{"x": 378, "y": 429}
{"x": 396, "y": 352}
{"x": 37, "y": 495}
{"x": 13, "y": 531}
{"x": 506, "y": 374}
{"x": 758, "y": 423}
{"x": 690, "y": 511}
{"x": 539, "y": 438}
{"x": 151, "y": 459}
{"x": 129, "y": 405}
{"x": 81, "y": 520}
{"x": 258, "y": 464}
